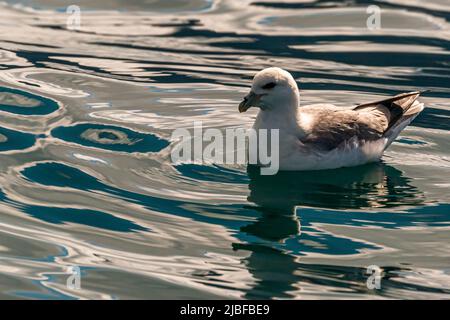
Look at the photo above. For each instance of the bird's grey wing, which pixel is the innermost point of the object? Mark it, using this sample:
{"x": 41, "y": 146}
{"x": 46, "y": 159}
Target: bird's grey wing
{"x": 366, "y": 122}
{"x": 332, "y": 126}
{"x": 395, "y": 108}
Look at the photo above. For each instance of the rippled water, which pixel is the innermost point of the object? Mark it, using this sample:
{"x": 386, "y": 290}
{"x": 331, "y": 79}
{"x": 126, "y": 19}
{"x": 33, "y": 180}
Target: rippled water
{"x": 85, "y": 173}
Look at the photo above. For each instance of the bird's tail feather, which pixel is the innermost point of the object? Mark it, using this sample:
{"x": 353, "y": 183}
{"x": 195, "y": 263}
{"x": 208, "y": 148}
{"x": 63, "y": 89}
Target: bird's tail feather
{"x": 393, "y": 131}
{"x": 400, "y": 107}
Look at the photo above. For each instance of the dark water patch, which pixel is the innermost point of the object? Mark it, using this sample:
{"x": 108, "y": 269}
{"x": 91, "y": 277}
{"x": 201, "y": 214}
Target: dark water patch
{"x": 373, "y": 185}
{"x": 368, "y": 84}
{"x": 49, "y": 60}
{"x": 187, "y": 23}
{"x": 58, "y": 215}
{"x": 86, "y": 217}
{"x": 285, "y": 45}
{"x": 183, "y": 32}
{"x": 433, "y": 118}
{"x": 61, "y": 175}
{"x": 15, "y": 140}
{"x": 174, "y": 23}
{"x": 40, "y": 45}
{"x": 297, "y": 235}
{"x": 30, "y": 84}
{"x": 410, "y": 141}
{"x": 430, "y": 216}
{"x": 110, "y": 138}
{"x": 212, "y": 173}
{"x": 282, "y": 44}
{"x": 24, "y": 103}
{"x": 277, "y": 273}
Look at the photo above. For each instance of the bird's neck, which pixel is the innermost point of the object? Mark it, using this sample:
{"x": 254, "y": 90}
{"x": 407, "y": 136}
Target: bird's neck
{"x": 283, "y": 117}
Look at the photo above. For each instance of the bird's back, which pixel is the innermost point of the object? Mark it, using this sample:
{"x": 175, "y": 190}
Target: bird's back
{"x": 328, "y": 126}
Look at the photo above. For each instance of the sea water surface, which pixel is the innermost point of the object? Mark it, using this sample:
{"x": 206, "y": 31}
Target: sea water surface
{"x": 86, "y": 179}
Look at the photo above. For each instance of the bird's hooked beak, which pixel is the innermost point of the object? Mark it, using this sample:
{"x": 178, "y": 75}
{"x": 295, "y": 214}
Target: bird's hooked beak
{"x": 250, "y": 100}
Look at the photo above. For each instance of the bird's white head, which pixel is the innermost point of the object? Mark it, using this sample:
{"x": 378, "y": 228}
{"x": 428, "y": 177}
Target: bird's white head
{"x": 272, "y": 88}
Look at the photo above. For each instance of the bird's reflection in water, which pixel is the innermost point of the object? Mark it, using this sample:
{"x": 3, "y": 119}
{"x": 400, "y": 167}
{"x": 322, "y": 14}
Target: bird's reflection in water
{"x": 374, "y": 185}
{"x": 279, "y": 199}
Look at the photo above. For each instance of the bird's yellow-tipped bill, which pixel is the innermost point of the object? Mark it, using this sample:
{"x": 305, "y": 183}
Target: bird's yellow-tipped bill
{"x": 251, "y": 100}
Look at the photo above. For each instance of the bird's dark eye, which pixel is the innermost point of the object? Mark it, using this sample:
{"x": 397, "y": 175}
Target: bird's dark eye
{"x": 269, "y": 85}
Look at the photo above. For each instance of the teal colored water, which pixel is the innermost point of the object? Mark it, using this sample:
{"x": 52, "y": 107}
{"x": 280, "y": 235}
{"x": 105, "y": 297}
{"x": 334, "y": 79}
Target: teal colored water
{"x": 86, "y": 179}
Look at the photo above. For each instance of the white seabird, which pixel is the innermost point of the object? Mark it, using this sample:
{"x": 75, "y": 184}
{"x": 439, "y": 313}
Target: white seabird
{"x": 323, "y": 136}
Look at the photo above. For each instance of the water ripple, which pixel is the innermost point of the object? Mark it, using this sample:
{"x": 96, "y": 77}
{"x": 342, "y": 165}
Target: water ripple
{"x": 24, "y": 103}
{"x": 110, "y": 137}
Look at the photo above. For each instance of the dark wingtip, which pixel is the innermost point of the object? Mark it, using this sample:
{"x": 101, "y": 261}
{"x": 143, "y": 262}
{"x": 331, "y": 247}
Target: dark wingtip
{"x": 407, "y": 94}
{"x": 392, "y": 99}
{"x": 418, "y": 92}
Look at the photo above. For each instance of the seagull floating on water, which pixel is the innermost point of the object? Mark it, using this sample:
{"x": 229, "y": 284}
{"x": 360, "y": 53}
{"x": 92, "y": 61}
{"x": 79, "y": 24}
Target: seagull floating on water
{"x": 324, "y": 136}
